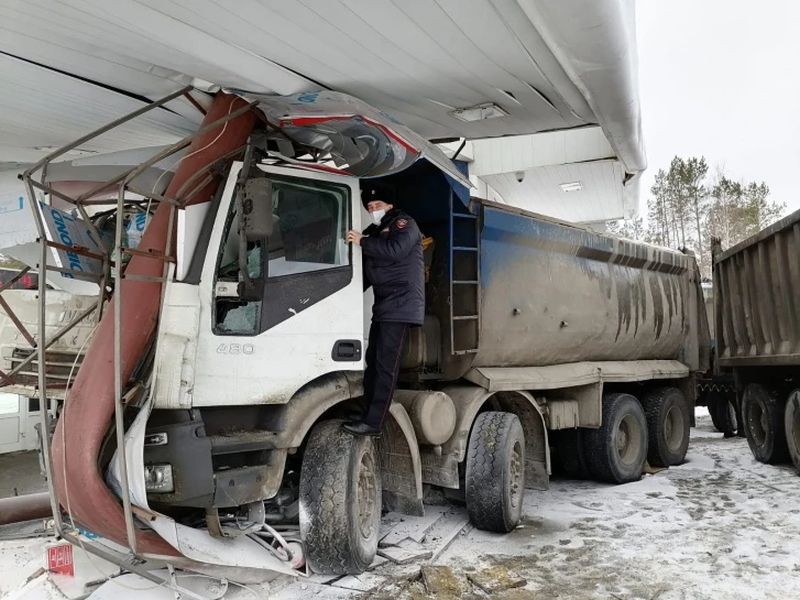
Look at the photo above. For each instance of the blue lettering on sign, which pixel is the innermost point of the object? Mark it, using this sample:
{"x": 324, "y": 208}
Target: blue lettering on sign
{"x": 60, "y": 219}
{"x": 308, "y": 98}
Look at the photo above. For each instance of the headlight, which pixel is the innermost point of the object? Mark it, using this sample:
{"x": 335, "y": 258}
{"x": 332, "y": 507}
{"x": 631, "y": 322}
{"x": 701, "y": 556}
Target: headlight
{"x": 158, "y": 478}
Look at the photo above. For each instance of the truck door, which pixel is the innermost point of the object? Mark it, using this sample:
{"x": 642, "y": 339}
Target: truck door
{"x": 281, "y": 295}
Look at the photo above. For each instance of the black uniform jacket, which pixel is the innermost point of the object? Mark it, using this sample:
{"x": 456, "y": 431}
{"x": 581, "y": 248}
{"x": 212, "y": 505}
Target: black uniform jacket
{"x": 394, "y": 267}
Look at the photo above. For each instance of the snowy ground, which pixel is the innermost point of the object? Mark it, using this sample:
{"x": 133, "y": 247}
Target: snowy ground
{"x": 719, "y": 526}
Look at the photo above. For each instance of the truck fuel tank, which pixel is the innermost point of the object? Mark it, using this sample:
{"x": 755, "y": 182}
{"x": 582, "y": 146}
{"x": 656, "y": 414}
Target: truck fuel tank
{"x": 433, "y": 414}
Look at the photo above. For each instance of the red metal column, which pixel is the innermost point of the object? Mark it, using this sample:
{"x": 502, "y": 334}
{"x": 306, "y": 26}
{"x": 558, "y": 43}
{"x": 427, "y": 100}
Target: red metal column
{"x": 90, "y": 405}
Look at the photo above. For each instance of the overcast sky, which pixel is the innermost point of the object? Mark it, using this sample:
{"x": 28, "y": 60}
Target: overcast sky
{"x": 721, "y": 79}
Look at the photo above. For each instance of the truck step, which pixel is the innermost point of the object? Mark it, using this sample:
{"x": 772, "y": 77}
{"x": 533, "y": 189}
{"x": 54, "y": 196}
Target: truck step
{"x": 242, "y": 442}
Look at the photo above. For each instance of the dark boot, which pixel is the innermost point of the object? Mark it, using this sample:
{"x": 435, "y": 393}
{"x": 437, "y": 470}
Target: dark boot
{"x": 361, "y": 428}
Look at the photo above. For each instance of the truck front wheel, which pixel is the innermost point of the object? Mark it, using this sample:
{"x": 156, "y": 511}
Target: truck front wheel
{"x": 792, "y": 426}
{"x": 667, "y": 415}
{"x": 616, "y": 451}
{"x": 762, "y": 419}
{"x": 495, "y": 477}
{"x": 340, "y": 500}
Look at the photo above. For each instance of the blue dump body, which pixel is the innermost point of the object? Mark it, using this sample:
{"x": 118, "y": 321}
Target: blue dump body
{"x": 508, "y": 287}
{"x": 554, "y": 293}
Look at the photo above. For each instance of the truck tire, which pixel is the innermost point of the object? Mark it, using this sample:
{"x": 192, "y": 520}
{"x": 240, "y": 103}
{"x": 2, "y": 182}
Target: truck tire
{"x": 763, "y": 422}
{"x": 616, "y": 451}
{"x": 667, "y": 414}
{"x": 340, "y": 499}
{"x": 572, "y": 453}
{"x": 722, "y": 409}
{"x": 495, "y": 477}
{"x": 792, "y": 427}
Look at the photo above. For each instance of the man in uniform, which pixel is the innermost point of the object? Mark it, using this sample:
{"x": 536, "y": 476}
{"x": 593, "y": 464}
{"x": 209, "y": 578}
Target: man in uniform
{"x": 393, "y": 265}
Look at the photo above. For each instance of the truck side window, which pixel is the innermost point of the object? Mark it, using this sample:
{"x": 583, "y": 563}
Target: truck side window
{"x": 309, "y": 227}
{"x": 304, "y": 259}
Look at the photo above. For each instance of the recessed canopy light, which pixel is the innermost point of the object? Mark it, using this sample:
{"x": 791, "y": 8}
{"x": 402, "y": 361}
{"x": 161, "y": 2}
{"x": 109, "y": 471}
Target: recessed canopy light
{"x": 481, "y": 112}
{"x": 572, "y": 186}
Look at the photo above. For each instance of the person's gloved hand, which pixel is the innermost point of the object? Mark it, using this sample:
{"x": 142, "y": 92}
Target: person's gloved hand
{"x": 354, "y": 237}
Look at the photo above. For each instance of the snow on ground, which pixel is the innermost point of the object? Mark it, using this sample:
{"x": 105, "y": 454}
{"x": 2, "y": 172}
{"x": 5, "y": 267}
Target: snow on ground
{"x": 720, "y": 526}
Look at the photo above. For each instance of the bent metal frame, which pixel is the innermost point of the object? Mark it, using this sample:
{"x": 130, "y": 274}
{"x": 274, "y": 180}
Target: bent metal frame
{"x": 35, "y": 178}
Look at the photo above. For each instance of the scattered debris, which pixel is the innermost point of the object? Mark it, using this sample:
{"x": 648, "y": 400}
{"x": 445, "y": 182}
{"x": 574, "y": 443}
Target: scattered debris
{"x": 413, "y": 528}
{"x": 408, "y": 551}
{"x": 457, "y": 527}
{"x": 496, "y": 579}
{"x": 441, "y": 582}
{"x": 366, "y": 582}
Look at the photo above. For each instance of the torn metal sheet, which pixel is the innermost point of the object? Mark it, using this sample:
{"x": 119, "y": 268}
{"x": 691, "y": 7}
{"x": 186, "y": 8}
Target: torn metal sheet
{"x": 360, "y": 139}
{"x": 195, "y": 544}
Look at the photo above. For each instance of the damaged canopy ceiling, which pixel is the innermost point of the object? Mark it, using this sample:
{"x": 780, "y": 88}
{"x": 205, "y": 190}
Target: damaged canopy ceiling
{"x": 75, "y": 64}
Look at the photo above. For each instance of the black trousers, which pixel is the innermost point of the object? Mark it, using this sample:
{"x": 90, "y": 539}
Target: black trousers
{"x": 383, "y": 365}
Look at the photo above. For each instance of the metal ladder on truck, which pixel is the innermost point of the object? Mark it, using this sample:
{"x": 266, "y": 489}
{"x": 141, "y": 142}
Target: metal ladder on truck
{"x": 465, "y": 285}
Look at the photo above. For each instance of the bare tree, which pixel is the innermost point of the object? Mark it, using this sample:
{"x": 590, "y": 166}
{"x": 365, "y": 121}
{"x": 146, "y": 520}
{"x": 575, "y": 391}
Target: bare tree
{"x": 685, "y": 210}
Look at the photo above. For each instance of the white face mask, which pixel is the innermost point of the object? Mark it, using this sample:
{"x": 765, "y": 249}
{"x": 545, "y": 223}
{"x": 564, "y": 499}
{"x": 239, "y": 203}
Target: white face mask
{"x": 377, "y": 215}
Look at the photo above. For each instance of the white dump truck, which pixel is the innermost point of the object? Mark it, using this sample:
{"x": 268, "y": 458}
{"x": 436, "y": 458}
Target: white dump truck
{"x": 207, "y": 409}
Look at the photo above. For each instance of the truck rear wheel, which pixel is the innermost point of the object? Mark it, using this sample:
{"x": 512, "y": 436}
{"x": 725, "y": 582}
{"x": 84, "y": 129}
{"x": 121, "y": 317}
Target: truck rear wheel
{"x": 667, "y": 414}
{"x": 792, "y": 427}
{"x": 495, "y": 477}
{"x": 762, "y": 418}
{"x": 340, "y": 500}
{"x": 616, "y": 451}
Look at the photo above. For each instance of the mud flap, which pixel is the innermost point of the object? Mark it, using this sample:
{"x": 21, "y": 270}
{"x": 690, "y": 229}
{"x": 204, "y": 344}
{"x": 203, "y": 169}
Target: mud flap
{"x": 401, "y": 464}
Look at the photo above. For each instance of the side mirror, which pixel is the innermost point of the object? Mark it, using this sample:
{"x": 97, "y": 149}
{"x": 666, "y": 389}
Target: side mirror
{"x": 256, "y": 216}
{"x": 255, "y": 226}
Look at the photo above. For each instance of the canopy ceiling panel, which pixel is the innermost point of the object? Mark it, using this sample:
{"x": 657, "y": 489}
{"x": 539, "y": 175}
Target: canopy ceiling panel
{"x": 419, "y": 60}
{"x": 416, "y": 60}
{"x": 48, "y": 109}
{"x": 600, "y": 197}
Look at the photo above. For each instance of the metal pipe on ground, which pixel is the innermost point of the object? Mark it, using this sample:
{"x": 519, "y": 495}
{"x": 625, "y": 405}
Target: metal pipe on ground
{"x": 17, "y": 509}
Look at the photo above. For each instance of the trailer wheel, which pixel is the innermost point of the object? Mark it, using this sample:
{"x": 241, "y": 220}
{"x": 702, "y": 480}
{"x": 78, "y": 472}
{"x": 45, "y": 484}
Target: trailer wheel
{"x": 616, "y": 451}
{"x": 495, "y": 477}
{"x": 762, "y": 418}
{"x": 667, "y": 414}
{"x": 722, "y": 408}
{"x": 792, "y": 426}
{"x": 340, "y": 500}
